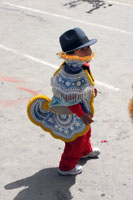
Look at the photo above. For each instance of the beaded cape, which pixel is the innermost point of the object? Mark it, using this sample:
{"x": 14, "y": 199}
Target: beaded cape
{"x": 69, "y": 88}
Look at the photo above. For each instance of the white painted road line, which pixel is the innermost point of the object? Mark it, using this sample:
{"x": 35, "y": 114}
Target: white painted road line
{"x": 53, "y": 66}
{"x": 107, "y": 85}
{"x": 69, "y": 18}
{"x": 28, "y": 56}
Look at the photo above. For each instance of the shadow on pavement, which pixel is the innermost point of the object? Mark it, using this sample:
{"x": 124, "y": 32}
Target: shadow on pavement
{"x": 47, "y": 184}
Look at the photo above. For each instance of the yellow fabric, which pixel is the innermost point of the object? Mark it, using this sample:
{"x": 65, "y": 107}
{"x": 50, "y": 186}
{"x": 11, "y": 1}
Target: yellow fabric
{"x": 46, "y": 106}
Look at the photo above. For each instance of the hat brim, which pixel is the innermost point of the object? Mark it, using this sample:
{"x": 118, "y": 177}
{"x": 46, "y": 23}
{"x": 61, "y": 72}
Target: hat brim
{"x": 91, "y": 42}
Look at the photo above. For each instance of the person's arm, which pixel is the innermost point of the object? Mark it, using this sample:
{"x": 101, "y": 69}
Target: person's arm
{"x": 77, "y": 109}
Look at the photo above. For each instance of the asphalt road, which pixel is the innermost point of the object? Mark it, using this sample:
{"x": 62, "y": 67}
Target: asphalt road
{"x": 29, "y": 32}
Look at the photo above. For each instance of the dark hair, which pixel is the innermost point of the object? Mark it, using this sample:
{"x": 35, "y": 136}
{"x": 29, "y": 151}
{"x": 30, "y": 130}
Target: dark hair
{"x": 70, "y": 53}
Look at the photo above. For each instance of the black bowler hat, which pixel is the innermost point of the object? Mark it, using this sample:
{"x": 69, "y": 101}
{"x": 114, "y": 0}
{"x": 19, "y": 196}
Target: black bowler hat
{"x": 74, "y": 39}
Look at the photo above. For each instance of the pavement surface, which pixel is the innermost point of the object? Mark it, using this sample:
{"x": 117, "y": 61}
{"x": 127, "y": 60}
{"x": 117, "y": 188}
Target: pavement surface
{"x": 29, "y": 32}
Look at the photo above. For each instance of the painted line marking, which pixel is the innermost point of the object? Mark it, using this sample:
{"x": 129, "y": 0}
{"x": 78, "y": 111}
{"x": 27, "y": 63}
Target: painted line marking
{"x": 53, "y": 66}
{"x": 14, "y": 101}
{"x": 68, "y": 18}
{"x": 27, "y": 56}
{"x": 11, "y": 80}
{"x": 107, "y": 85}
{"x": 28, "y": 90}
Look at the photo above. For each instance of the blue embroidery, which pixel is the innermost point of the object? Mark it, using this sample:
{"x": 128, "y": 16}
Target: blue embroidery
{"x": 65, "y": 126}
{"x": 70, "y": 82}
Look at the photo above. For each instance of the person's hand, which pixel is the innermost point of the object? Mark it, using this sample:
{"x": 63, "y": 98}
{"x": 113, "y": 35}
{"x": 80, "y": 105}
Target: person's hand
{"x": 87, "y": 118}
{"x": 95, "y": 92}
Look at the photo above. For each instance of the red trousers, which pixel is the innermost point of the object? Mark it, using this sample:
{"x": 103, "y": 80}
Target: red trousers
{"x": 73, "y": 151}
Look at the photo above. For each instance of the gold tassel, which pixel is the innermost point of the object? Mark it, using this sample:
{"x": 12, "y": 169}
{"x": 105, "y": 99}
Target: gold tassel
{"x": 130, "y": 107}
{"x": 75, "y": 57}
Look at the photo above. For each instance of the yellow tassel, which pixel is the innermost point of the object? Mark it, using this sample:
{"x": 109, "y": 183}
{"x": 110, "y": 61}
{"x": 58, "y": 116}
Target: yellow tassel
{"x": 45, "y": 106}
{"x": 130, "y": 108}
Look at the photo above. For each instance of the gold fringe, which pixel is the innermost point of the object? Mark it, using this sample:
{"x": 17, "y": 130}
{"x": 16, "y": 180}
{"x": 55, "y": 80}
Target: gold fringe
{"x": 74, "y": 57}
{"x": 130, "y": 107}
